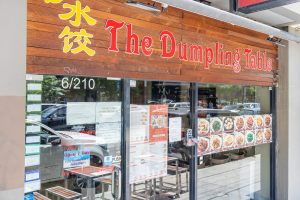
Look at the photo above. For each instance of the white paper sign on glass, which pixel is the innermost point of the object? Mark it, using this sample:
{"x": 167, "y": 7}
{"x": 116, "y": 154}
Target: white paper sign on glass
{"x": 32, "y": 149}
{"x": 81, "y": 113}
{"x": 34, "y": 97}
{"x": 34, "y": 108}
{"x": 76, "y": 156}
{"x": 36, "y": 118}
{"x": 108, "y": 118}
{"x": 33, "y": 139}
{"x": 139, "y": 123}
{"x": 32, "y": 160}
{"x": 33, "y": 129}
{"x": 31, "y": 175}
{"x": 32, "y": 186}
{"x": 175, "y": 129}
{"x": 34, "y": 87}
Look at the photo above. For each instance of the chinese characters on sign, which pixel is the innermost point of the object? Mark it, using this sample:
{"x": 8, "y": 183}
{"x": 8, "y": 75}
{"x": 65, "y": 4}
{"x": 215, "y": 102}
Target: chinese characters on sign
{"x": 81, "y": 38}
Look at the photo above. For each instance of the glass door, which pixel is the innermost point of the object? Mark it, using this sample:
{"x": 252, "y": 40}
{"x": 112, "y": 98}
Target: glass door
{"x": 159, "y": 153}
{"x": 73, "y": 134}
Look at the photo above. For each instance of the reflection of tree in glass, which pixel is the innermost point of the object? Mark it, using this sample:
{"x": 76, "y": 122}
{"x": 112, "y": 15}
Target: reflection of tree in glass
{"x": 52, "y": 90}
{"x": 109, "y": 90}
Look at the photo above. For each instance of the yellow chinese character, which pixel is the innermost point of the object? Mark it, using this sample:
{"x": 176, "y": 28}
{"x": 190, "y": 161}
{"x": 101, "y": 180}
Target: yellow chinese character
{"x": 78, "y": 12}
{"x": 81, "y": 38}
{"x": 53, "y": 1}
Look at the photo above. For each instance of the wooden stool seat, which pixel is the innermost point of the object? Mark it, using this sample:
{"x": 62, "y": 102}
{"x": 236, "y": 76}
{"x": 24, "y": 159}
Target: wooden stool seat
{"x": 63, "y": 193}
{"x": 173, "y": 169}
{"x": 107, "y": 181}
{"x": 38, "y": 196}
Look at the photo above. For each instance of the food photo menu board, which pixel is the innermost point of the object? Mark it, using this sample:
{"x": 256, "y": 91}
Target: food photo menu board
{"x": 148, "y": 142}
{"x": 219, "y": 134}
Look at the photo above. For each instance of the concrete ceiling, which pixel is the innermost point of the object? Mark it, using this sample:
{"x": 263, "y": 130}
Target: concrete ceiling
{"x": 288, "y": 15}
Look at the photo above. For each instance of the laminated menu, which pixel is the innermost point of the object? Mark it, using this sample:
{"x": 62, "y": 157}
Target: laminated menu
{"x": 249, "y": 122}
{"x": 203, "y": 127}
{"x": 239, "y": 140}
{"x": 239, "y": 123}
{"x": 250, "y": 138}
{"x": 228, "y": 141}
{"x": 228, "y": 123}
{"x": 203, "y": 145}
{"x": 259, "y": 136}
{"x": 259, "y": 121}
{"x": 216, "y": 125}
{"x": 267, "y": 121}
{"x": 267, "y": 136}
{"x": 216, "y": 142}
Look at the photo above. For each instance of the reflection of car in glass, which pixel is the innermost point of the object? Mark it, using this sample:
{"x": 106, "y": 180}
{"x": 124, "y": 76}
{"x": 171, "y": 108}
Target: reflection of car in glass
{"x": 255, "y": 107}
{"x": 52, "y": 143}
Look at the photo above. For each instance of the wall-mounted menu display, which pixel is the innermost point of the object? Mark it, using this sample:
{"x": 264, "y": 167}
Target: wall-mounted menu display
{"x": 219, "y": 134}
{"x": 149, "y": 141}
{"x": 32, "y": 134}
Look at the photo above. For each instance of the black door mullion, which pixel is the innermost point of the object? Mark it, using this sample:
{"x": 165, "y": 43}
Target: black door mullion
{"x": 193, "y": 126}
{"x": 125, "y": 187}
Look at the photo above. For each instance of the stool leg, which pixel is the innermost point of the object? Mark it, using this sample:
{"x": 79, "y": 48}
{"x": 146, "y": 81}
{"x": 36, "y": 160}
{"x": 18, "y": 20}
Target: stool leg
{"x": 102, "y": 186}
{"x": 179, "y": 188}
{"x": 46, "y": 192}
{"x": 187, "y": 180}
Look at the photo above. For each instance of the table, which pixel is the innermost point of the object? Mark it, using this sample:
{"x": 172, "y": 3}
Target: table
{"x": 90, "y": 173}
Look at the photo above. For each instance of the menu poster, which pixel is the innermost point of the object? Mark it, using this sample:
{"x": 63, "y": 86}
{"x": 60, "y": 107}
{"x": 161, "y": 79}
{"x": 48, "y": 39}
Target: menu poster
{"x": 216, "y": 125}
{"x": 267, "y": 121}
{"x": 158, "y": 123}
{"x": 228, "y": 123}
{"x": 81, "y": 113}
{"x": 239, "y": 123}
{"x": 32, "y": 129}
{"x": 32, "y": 149}
{"x": 267, "y": 135}
{"x": 249, "y": 122}
{"x": 139, "y": 123}
{"x": 239, "y": 140}
{"x": 203, "y": 145}
{"x": 203, "y": 127}
{"x": 108, "y": 118}
{"x": 175, "y": 125}
{"x": 76, "y": 156}
{"x": 249, "y": 138}
{"x": 148, "y": 161}
{"x": 259, "y": 134}
{"x": 259, "y": 121}
{"x": 32, "y": 160}
{"x": 31, "y": 175}
{"x": 32, "y": 186}
{"x": 216, "y": 142}
{"x": 228, "y": 141}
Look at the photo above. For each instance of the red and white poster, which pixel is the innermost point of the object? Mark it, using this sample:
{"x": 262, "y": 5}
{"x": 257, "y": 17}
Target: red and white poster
{"x": 158, "y": 128}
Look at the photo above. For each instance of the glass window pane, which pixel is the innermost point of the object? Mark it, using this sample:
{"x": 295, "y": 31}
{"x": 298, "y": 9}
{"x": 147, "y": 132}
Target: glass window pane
{"x": 234, "y": 134}
{"x": 77, "y": 123}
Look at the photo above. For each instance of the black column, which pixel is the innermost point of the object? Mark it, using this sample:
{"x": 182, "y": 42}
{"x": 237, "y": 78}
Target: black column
{"x": 274, "y": 142}
{"x": 194, "y": 125}
{"x": 125, "y": 139}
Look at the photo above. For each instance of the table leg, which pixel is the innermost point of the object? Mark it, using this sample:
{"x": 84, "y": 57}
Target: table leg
{"x": 160, "y": 184}
{"x": 177, "y": 179}
{"x": 90, "y": 190}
